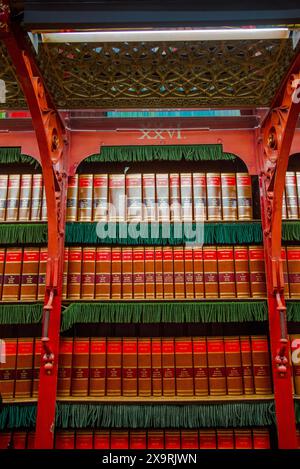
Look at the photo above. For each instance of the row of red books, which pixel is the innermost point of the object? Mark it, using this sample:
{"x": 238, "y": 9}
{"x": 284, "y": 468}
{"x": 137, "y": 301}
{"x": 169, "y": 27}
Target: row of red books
{"x": 237, "y": 438}
{"x": 144, "y": 273}
{"x": 144, "y": 367}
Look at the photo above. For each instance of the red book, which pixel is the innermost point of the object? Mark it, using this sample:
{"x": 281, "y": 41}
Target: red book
{"x": 42, "y": 273}
{"x": 186, "y": 188}
{"x": 184, "y": 366}
{"x": 65, "y": 273}
{"x": 116, "y": 188}
{"x": 80, "y": 367}
{"x": 175, "y": 205}
{"x": 97, "y": 366}
{"x": 285, "y": 272}
{"x": 189, "y": 273}
{"x": 74, "y": 272}
{"x": 172, "y": 439}
{"x": 247, "y": 367}
{"x": 261, "y": 438}
{"x": 119, "y": 439}
{"x": 200, "y": 366}
{"x": 103, "y": 274}
{"x": 137, "y": 439}
{"x": 114, "y": 364}
{"x": 244, "y": 196}
{"x": 134, "y": 197}
{"x": 291, "y": 195}
{"x": 102, "y": 439}
{"x": 233, "y": 366}
{"x": 36, "y": 197}
{"x": 156, "y": 348}
{"x": 189, "y": 439}
{"x": 116, "y": 273}
{"x": 19, "y": 440}
{"x": 242, "y": 276}
{"x": 127, "y": 273}
{"x": 65, "y": 439}
{"x": 64, "y": 367}
{"x": 199, "y": 193}
{"x": 13, "y": 197}
{"x": 24, "y": 368}
{"x": 149, "y": 206}
{"x": 12, "y": 274}
{"x": 5, "y": 440}
{"x": 144, "y": 366}
{"x": 156, "y": 439}
{"x": 243, "y": 439}
{"x": 138, "y": 273}
{"x": 158, "y": 273}
{"x": 229, "y": 196}
{"x": 2, "y": 259}
{"x": 30, "y": 271}
{"x": 129, "y": 366}
{"x": 257, "y": 272}
{"x": 207, "y": 439}
{"x": 293, "y": 257}
{"x": 210, "y": 268}
{"x": 179, "y": 283}
{"x": 168, "y": 365}
{"x": 149, "y": 273}
{"x": 3, "y": 195}
{"x": 88, "y": 273}
{"x": 25, "y": 197}
{"x": 85, "y": 197}
{"x": 216, "y": 366}
{"x": 168, "y": 273}
{"x": 162, "y": 197}
{"x": 225, "y": 439}
{"x": 226, "y": 272}
{"x": 214, "y": 206}
{"x": 8, "y": 369}
{"x": 72, "y": 198}
{"x": 261, "y": 365}
{"x": 30, "y": 440}
{"x": 100, "y": 197}
{"x": 198, "y": 272}
{"x": 36, "y": 366}
{"x": 84, "y": 439}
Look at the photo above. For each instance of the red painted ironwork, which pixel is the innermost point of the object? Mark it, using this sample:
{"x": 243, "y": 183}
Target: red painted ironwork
{"x": 51, "y": 139}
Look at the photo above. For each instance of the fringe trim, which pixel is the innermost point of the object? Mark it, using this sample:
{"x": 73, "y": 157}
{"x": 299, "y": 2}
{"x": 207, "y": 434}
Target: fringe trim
{"x": 10, "y": 155}
{"x": 23, "y": 233}
{"x": 293, "y": 310}
{"x": 17, "y": 416}
{"x": 290, "y": 231}
{"x": 20, "y": 313}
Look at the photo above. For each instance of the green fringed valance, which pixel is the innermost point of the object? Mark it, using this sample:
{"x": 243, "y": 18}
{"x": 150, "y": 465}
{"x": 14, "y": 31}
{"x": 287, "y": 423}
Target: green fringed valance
{"x": 159, "y": 312}
{"x": 20, "y": 313}
{"x": 290, "y": 231}
{"x": 293, "y": 310}
{"x": 10, "y": 155}
{"x": 117, "y": 154}
{"x": 23, "y": 233}
{"x": 17, "y": 416}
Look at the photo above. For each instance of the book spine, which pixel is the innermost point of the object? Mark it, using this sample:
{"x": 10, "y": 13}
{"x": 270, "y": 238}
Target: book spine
{"x": 149, "y": 198}
{"x": 100, "y": 197}
{"x": 216, "y": 366}
{"x": 88, "y": 273}
{"x": 162, "y": 197}
{"x": 138, "y": 255}
{"x": 149, "y": 273}
{"x": 168, "y": 365}
{"x": 116, "y": 188}
{"x": 229, "y": 196}
{"x": 119, "y": 439}
{"x": 25, "y": 197}
{"x": 175, "y": 204}
{"x": 156, "y": 439}
{"x": 291, "y": 195}
{"x": 198, "y": 272}
{"x": 74, "y": 273}
{"x": 298, "y": 190}
{"x": 243, "y": 439}
{"x": 127, "y": 273}
{"x": 168, "y": 275}
{"x": 233, "y": 363}
{"x": 261, "y": 365}
{"x": 64, "y": 367}
{"x": 226, "y": 272}
{"x": 97, "y": 366}
{"x": 293, "y": 258}
{"x": 2, "y": 264}
{"x": 156, "y": 352}
{"x": 30, "y": 440}
{"x": 184, "y": 366}
{"x": 159, "y": 289}
{"x": 44, "y": 206}
{"x": 179, "y": 281}
{"x": 8, "y": 369}
{"x": 285, "y": 272}
{"x": 36, "y": 197}
{"x": 210, "y": 268}
{"x": 134, "y": 197}
{"x": 102, "y": 439}
{"x": 116, "y": 273}
{"x": 84, "y": 439}
{"x": 85, "y": 197}
{"x": 80, "y": 367}
{"x": 261, "y": 438}
{"x": 214, "y": 206}
{"x": 295, "y": 350}
{"x": 19, "y": 440}
{"x": 72, "y": 198}
{"x": 13, "y": 197}
{"x": 186, "y": 187}
{"x": 3, "y": 195}
{"x": 188, "y": 273}
{"x": 64, "y": 439}
{"x": 284, "y": 209}
{"x": 6, "y": 440}
{"x": 242, "y": 275}
{"x": 199, "y": 196}
{"x": 144, "y": 366}
{"x": 225, "y": 439}
{"x": 24, "y": 368}
{"x": 208, "y": 439}
{"x": 114, "y": 366}
{"x": 65, "y": 274}
{"x": 36, "y": 366}
{"x": 200, "y": 366}
{"x": 189, "y": 439}
{"x": 30, "y": 271}
{"x": 138, "y": 439}
{"x": 257, "y": 272}
{"x": 12, "y": 274}
{"x": 103, "y": 273}
{"x": 129, "y": 366}
{"x": 172, "y": 439}
{"x": 244, "y": 196}
{"x": 247, "y": 366}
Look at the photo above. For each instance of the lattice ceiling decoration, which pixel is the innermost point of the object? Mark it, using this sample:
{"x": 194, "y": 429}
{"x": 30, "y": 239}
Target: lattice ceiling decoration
{"x": 174, "y": 75}
{"x": 14, "y": 94}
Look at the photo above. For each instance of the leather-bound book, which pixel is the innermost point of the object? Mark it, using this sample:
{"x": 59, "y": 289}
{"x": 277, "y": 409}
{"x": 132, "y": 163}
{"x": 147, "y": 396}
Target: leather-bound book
{"x": 168, "y": 275}
{"x": 295, "y": 350}
{"x": 72, "y": 198}
{"x": 149, "y": 197}
{"x": 36, "y": 197}
{"x": 244, "y": 196}
{"x": 129, "y": 366}
{"x": 30, "y": 271}
{"x": 242, "y": 275}
{"x": 65, "y": 274}
{"x": 207, "y": 439}
{"x": 172, "y": 439}
{"x": 116, "y": 273}
{"x": 226, "y": 272}
{"x": 2, "y": 264}
{"x": 261, "y": 365}
{"x": 229, "y": 196}
{"x": 119, "y": 439}
{"x": 30, "y": 440}
{"x": 149, "y": 273}
{"x": 284, "y": 210}
{"x": 138, "y": 255}
{"x": 159, "y": 288}
{"x": 285, "y": 272}
{"x": 13, "y": 197}
{"x": 188, "y": 272}
{"x": 80, "y": 367}
{"x": 3, "y": 195}
{"x": 25, "y": 197}
{"x": 225, "y": 439}
{"x": 198, "y": 272}
{"x": 184, "y": 366}
{"x": 144, "y": 366}
{"x": 64, "y": 439}
{"x": 8, "y": 369}
{"x": 175, "y": 203}
{"x": 261, "y": 438}
{"x": 156, "y": 439}
{"x": 100, "y": 197}
{"x": 214, "y": 197}
{"x": 114, "y": 366}
{"x": 103, "y": 273}
{"x": 138, "y": 439}
{"x": 102, "y": 439}
{"x": 189, "y": 439}
{"x": 64, "y": 367}
{"x": 134, "y": 197}
{"x": 210, "y": 268}
{"x": 116, "y": 197}
{"x": 156, "y": 355}
{"x": 5, "y": 440}
{"x": 243, "y": 438}
{"x": 298, "y": 189}
{"x": 74, "y": 273}
{"x": 216, "y": 366}
{"x": 84, "y": 439}
{"x": 97, "y": 366}
{"x": 247, "y": 366}
{"x": 168, "y": 365}
{"x": 257, "y": 272}
{"x": 291, "y": 195}
{"x": 85, "y": 197}
{"x": 200, "y": 366}
{"x": 162, "y": 197}
{"x": 12, "y": 274}
{"x": 88, "y": 273}
{"x": 234, "y": 375}
{"x": 36, "y": 366}
{"x": 24, "y": 368}
{"x": 293, "y": 259}
{"x": 127, "y": 293}
{"x": 44, "y": 206}
{"x": 179, "y": 283}
{"x": 20, "y": 440}
{"x": 186, "y": 188}
{"x": 199, "y": 197}
{"x": 42, "y": 273}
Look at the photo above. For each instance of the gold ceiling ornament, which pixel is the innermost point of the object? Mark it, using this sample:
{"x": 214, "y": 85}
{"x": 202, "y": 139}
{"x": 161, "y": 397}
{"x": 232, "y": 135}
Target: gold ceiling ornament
{"x": 14, "y": 95}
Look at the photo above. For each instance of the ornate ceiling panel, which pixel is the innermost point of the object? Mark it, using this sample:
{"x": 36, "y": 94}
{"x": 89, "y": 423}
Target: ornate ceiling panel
{"x": 14, "y": 94}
